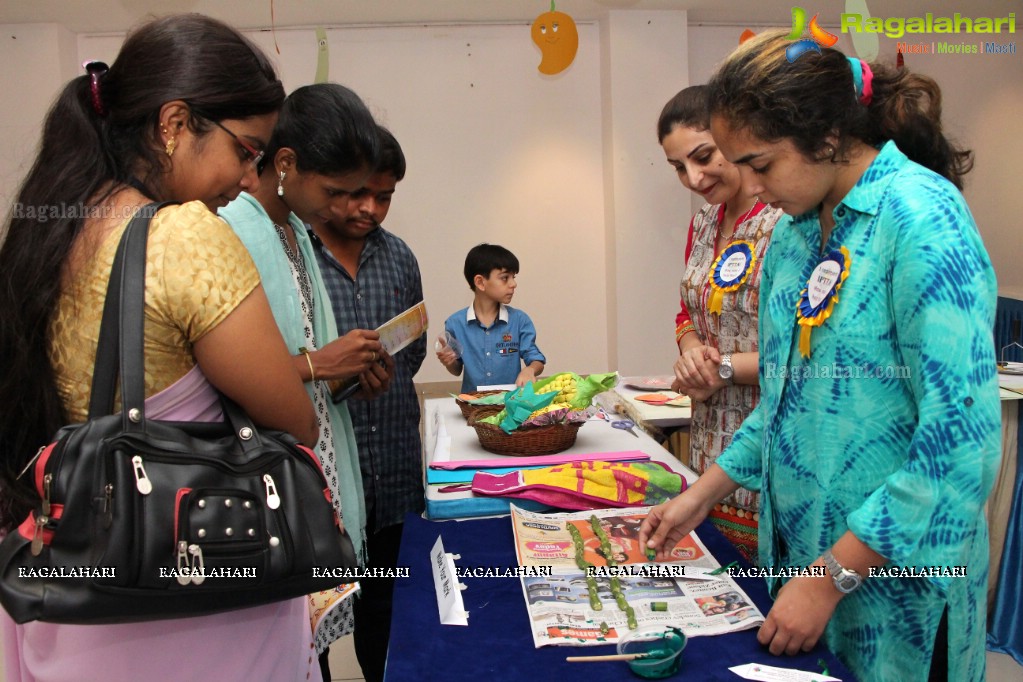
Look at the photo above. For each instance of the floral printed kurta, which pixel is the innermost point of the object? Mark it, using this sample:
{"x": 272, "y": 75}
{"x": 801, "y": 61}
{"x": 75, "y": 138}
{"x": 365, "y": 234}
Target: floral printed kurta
{"x": 891, "y": 428}
{"x": 734, "y": 330}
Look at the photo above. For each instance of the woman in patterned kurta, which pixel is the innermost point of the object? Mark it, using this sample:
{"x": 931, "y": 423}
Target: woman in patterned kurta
{"x": 730, "y": 216}
{"x": 878, "y": 443}
{"x": 322, "y": 150}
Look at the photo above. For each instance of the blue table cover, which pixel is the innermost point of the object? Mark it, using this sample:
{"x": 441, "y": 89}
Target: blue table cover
{"x": 497, "y": 644}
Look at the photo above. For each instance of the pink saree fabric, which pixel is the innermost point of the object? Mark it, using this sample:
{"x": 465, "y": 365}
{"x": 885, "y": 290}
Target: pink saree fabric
{"x": 271, "y": 643}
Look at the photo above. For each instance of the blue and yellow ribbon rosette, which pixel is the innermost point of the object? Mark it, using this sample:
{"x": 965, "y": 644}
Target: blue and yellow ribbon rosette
{"x": 810, "y": 315}
{"x": 728, "y": 272}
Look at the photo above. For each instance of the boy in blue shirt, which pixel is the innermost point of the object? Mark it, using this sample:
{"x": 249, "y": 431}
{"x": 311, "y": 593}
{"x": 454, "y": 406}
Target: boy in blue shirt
{"x": 494, "y": 337}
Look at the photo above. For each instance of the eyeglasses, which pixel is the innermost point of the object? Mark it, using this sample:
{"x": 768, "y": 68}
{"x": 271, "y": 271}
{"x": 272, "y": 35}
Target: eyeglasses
{"x": 251, "y": 153}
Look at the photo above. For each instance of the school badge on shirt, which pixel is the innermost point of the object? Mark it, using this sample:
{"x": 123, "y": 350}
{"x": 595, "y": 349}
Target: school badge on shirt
{"x": 818, "y": 299}
{"x": 729, "y": 271}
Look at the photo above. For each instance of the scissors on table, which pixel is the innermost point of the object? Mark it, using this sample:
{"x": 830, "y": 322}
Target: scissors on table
{"x": 625, "y": 425}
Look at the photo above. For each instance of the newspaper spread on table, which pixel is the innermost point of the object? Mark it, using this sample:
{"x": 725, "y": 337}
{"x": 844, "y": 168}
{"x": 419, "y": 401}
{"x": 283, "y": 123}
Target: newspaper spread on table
{"x": 679, "y": 591}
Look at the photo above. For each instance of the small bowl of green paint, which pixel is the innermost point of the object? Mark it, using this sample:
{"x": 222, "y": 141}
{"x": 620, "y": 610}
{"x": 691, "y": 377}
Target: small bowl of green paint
{"x": 658, "y": 651}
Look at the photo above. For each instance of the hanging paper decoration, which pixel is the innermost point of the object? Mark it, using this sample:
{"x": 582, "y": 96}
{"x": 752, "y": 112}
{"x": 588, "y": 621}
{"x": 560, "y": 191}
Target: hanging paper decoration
{"x": 273, "y": 26}
{"x": 558, "y": 39}
{"x": 864, "y": 43}
{"x": 818, "y": 299}
{"x": 322, "y": 56}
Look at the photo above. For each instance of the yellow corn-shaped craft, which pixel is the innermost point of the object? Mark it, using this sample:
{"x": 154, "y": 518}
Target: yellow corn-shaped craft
{"x": 564, "y": 385}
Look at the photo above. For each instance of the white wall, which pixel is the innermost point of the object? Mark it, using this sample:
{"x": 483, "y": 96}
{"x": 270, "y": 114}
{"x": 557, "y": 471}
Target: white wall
{"x": 39, "y": 58}
{"x": 647, "y": 63}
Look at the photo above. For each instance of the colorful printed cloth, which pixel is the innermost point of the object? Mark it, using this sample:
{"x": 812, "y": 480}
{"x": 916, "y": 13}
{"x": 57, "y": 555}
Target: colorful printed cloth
{"x": 585, "y": 485}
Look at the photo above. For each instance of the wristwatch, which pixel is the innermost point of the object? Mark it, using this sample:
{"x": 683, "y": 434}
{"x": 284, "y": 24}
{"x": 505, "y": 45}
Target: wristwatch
{"x": 725, "y": 369}
{"x": 846, "y": 579}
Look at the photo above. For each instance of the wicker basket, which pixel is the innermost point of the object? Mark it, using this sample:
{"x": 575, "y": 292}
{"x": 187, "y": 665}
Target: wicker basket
{"x": 523, "y": 442}
{"x": 468, "y": 408}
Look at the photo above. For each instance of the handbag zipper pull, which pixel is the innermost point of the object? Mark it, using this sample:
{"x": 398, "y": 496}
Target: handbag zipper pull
{"x": 273, "y": 500}
{"x": 108, "y": 505}
{"x": 184, "y": 570}
{"x": 37, "y": 535}
{"x": 198, "y": 567}
{"x": 47, "y": 481}
{"x": 141, "y": 479}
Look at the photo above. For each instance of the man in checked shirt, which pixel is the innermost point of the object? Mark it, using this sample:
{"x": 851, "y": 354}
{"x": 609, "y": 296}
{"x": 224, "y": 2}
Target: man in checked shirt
{"x": 371, "y": 275}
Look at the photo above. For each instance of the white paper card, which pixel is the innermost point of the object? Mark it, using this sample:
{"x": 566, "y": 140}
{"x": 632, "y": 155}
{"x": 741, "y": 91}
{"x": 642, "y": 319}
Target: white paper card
{"x": 403, "y": 328}
{"x": 768, "y": 673}
{"x": 822, "y": 281}
{"x": 445, "y": 582}
{"x": 733, "y": 267}
{"x": 497, "y": 387}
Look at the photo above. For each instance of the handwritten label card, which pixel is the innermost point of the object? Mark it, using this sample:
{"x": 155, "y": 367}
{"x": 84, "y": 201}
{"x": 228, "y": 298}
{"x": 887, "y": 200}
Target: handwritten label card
{"x": 767, "y": 673}
{"x": 449, "y": 590}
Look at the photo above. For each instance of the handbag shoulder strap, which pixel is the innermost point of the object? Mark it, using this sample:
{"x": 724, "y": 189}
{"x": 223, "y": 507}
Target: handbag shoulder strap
{"x": 123, "y": 312}
{"x": 122, "y": 337}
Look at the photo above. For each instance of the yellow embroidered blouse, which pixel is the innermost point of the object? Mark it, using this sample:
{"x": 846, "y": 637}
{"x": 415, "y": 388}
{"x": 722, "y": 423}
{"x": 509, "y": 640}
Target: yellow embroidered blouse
{"x": 197, "y": 272}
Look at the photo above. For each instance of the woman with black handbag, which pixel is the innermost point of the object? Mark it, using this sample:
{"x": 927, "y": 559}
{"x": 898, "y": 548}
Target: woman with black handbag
{"x": 182, "y": 115}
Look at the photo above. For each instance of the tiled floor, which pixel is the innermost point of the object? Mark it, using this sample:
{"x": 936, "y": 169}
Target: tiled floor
{"x": 1002, "y": 668}
{"x": 343, "y": 665}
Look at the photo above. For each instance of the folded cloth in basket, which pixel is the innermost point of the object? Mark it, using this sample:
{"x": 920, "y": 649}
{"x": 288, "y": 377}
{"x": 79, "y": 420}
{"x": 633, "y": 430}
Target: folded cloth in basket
{"x": 585, "y": 485}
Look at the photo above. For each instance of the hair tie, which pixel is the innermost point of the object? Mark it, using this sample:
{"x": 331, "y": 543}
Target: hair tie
{"x": 95, "y": 71}
{"x": 863, "y": 80}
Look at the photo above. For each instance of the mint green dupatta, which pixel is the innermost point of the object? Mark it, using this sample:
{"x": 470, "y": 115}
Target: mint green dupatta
{"x": 256, "y": 230}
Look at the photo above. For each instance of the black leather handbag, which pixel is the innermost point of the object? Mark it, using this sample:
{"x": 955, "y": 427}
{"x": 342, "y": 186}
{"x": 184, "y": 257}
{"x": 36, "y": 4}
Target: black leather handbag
{"x": 145, "y": 520}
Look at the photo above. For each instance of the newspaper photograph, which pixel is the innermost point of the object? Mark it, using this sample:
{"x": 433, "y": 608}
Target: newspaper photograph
{"x": 546, "y": 540}
{"x": 603, "y": 602}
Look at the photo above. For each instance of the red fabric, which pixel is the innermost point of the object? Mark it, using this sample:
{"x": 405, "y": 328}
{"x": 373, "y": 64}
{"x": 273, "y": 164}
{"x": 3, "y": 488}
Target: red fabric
{"x": 683, "y": 313}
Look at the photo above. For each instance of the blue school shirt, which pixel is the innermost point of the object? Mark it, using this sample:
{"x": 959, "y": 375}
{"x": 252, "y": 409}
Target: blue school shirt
{"x": 495, "y": 354}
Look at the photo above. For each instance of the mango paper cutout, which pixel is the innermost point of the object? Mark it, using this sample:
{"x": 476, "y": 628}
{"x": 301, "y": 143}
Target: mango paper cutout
{"x": 558, "y": 39}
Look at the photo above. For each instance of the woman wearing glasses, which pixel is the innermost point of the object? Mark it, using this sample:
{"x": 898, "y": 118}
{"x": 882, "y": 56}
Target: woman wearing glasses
{"x": 181, "y": 115}
{"x": 322, "y": 151}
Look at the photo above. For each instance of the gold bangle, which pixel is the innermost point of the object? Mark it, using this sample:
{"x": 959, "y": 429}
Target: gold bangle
{"x": 308, "y": 358}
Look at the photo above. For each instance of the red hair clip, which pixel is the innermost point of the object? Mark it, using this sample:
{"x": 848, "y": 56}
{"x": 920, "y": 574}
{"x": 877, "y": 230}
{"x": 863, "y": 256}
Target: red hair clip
{"x": 95, "y": 71}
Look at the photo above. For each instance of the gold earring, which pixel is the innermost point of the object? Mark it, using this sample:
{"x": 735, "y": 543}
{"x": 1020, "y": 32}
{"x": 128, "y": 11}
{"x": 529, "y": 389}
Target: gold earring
{"x": 172, "y": 144}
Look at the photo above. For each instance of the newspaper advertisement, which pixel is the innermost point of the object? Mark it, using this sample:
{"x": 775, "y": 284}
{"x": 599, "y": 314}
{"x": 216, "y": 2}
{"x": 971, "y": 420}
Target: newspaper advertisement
{"x": 578, "y": 607}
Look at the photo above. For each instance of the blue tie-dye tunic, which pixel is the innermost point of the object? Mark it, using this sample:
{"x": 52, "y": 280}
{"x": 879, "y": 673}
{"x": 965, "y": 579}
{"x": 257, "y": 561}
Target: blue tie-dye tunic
{"x": 891, "y": 429}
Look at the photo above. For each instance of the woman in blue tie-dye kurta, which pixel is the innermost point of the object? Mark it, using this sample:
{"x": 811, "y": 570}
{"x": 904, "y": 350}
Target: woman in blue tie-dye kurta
{"x": 877, "y": 436}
